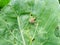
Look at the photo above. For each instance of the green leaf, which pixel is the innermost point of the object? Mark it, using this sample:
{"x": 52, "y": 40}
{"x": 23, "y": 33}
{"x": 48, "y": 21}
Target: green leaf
{"x": 3, "y": 3}
{"x": 16, "y": 28}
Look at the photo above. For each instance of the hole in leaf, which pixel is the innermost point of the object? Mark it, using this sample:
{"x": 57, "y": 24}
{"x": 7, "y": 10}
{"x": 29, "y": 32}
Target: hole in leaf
{"x": 57, "y": 32}
{"x": 0, "y": 8}
{"x": 31, "y": 14}
{"x": 5, "y": 19}
{"x": 33, "y": 39}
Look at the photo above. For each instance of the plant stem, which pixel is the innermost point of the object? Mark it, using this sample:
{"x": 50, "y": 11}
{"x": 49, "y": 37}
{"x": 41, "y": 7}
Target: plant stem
{"x": 18, "y": 19}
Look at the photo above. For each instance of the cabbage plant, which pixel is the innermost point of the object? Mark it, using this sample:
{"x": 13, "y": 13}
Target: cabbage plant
{"x": 30, "y": 22}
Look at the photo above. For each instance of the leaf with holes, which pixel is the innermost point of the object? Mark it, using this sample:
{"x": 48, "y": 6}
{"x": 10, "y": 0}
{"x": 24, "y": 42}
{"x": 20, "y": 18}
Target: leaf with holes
{"x": 16, "y": 27}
